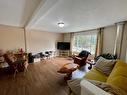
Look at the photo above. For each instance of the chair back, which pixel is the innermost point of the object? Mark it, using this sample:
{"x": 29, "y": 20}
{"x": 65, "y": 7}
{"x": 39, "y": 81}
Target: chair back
{"x": 84, "y": 53}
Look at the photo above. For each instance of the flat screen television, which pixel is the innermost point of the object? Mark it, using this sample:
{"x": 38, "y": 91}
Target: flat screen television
{"x": 63, "y": 45}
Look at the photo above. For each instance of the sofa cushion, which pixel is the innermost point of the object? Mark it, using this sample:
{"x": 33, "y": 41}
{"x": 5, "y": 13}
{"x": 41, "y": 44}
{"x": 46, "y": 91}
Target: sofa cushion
{"x": 74, "y": 85}
{"x": 118, "y": 76}
{"x": 95, "y": 75}
{"x": 104, "y": 65}
{"x": 108, "y": 88}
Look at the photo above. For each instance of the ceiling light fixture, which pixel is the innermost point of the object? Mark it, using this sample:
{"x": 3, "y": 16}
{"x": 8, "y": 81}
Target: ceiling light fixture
{"x": 61, "y": 24}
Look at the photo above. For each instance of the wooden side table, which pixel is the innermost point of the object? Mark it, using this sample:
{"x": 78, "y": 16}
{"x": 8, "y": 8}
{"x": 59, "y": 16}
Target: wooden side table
{"x": 68, "y": 69}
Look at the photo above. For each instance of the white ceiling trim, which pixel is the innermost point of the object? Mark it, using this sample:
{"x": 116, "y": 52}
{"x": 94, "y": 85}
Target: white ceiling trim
{"x": 41, "y": 11}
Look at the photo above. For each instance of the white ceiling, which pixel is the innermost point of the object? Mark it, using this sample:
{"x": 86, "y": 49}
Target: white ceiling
{"x": 78, "y": 15}
{"x": 16, "y": 12}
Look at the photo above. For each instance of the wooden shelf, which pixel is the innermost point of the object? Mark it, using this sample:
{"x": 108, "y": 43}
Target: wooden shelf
{"x": 64, "y": 52}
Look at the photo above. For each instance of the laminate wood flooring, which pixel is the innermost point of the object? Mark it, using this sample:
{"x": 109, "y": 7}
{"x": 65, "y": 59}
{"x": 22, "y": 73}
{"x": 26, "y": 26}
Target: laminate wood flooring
{"x": 40, "y": 79}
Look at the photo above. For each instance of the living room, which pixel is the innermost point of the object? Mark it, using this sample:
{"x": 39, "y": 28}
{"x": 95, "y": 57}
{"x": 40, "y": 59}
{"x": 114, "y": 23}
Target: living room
{"x": 38, "y": 26}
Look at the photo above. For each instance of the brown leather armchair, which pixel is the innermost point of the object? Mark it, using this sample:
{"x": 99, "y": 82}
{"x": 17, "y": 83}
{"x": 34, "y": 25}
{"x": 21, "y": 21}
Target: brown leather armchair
{"x": 80, "y": 61}
{"x": 81, "y": 58}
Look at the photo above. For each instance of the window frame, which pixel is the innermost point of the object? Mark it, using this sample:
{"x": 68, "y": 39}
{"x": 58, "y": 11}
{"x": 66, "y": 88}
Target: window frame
{"x": 85, "y": 34}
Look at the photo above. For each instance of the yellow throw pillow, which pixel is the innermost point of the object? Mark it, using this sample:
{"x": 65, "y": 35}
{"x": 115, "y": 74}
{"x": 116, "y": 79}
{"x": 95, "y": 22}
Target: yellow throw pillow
{"x": 118, "y": 76}
{"x": 95, "y": 75}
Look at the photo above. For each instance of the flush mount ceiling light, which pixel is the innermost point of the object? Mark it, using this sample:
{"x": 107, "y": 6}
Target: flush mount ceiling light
{"x": 61, "y": 24}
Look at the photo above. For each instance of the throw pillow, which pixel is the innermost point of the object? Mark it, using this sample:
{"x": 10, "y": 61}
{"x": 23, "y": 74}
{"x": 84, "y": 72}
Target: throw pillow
{"x": 118, "y": 76}
{"x": 94, "y": 74}
{"x": 104, "y": 65}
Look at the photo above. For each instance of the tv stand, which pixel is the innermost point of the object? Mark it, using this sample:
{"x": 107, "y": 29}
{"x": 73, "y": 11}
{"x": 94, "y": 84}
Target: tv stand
{"x": 64, "y": 52}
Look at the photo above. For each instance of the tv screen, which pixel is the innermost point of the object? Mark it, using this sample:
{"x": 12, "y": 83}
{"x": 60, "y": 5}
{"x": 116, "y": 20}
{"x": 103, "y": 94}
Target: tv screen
{"x": 63, "y": 45}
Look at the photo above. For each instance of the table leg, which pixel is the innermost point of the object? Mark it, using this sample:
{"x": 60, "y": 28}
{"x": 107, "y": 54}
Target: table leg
{"x": 68, "y": 76}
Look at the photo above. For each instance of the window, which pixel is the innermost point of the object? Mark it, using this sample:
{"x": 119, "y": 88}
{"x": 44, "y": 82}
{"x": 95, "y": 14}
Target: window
{"x": 84, "y": 42}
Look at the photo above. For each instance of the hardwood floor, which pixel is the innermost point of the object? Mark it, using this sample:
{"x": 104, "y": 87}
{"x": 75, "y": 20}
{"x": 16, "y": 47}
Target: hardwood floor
{"x": 41, "y": 79}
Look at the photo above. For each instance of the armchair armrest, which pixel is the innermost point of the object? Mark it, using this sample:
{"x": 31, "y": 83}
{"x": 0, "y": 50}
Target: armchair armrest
{"x": 88, "y": 88}
{"x": 78, "y": 58}
{"x": 91, "y": 63}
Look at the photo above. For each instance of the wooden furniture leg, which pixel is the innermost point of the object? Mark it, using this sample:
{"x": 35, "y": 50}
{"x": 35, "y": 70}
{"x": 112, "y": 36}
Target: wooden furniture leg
{"x": 68, "y": 76}
{"x": 26, "y": 66}
{"x": 16, "y": 71}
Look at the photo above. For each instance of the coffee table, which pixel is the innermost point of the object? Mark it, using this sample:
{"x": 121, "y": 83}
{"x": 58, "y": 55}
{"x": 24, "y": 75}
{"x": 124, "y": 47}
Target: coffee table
{"x": 68, "y": 69}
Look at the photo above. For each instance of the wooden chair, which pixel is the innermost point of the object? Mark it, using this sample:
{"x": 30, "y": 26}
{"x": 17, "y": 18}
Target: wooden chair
{"x": 14, "y": 64}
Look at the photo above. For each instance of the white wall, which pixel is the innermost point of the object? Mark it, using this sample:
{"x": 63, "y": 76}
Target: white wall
{"x": 67, "y": 37}
{"x": 11, "y": 38}
{"x": 109, "y": 39}
{"x": 38, "y": 41}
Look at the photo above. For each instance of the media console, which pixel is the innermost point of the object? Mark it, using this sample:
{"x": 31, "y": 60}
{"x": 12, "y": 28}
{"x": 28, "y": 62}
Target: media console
{"x": 63, "y": 48}
{"x": 64, "y": 52}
